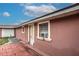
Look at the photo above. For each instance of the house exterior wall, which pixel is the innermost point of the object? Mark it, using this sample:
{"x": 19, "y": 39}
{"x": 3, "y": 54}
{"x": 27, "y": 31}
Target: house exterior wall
{"x": 22, "y": 36}
{"x": 65, "y": 37}
{"x": 0, "y": 32}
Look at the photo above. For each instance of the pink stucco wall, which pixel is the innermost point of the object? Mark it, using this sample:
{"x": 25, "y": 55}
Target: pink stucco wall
{"x": 64, "y": 35}
{"x": 22, "y": 36}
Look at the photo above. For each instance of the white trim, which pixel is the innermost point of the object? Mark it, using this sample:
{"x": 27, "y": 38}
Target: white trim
{"x": 33, "y": 32}
{"x": 29, "y": 34}
{"x": 47, "y": 39}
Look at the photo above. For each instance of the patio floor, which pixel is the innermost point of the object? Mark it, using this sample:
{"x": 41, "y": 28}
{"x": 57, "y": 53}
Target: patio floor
{"x": 13, "y": 49}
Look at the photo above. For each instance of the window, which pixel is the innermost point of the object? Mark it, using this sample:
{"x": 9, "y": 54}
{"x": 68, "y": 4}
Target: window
{"x": 44, "y": 30}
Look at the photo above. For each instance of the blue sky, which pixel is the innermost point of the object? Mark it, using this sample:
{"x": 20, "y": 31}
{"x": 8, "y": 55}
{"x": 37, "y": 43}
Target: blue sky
{"x": 16, "y": 13}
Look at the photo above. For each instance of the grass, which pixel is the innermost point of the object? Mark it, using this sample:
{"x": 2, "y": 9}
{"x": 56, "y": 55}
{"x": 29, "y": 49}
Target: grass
{"x": 4, "y": 40}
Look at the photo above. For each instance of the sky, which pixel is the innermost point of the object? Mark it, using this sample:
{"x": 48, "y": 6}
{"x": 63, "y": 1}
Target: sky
{"x": 16, "y": 13}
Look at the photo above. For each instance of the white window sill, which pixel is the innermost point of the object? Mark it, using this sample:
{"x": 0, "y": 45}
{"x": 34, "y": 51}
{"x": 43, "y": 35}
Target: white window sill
{"x": 45, "y": 39}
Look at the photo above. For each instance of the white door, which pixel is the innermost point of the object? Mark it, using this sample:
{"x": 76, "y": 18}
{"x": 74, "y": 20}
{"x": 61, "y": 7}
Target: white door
{"x": 31, "y": 34}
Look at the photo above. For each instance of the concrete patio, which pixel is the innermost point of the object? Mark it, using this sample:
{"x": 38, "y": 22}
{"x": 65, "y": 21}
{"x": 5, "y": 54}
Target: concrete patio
{"x": 11, "y": 49}
{"x": 16, "y": 48}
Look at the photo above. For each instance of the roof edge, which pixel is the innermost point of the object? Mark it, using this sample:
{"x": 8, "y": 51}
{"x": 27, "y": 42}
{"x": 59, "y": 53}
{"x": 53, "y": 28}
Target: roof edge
{"x": 49, "y": 14}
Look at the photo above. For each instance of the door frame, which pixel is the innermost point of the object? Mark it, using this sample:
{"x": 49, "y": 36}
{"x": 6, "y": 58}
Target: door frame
{"x": 29, "y": 33}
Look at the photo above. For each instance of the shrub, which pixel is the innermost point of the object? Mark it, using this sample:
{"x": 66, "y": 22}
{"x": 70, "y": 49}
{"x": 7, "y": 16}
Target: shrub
{"x": 4, "y": 40}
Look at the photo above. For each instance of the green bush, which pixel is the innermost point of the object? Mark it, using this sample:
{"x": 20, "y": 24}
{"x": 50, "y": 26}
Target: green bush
{"x": 4, "y": 40}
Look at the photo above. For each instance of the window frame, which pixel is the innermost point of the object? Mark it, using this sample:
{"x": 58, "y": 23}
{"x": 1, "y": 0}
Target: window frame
{"x": 38, "y": 36}
{"x": 23, "y": 29}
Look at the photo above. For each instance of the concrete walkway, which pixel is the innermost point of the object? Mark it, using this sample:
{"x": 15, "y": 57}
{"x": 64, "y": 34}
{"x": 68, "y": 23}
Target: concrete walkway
{"x": 13, "y": 49}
